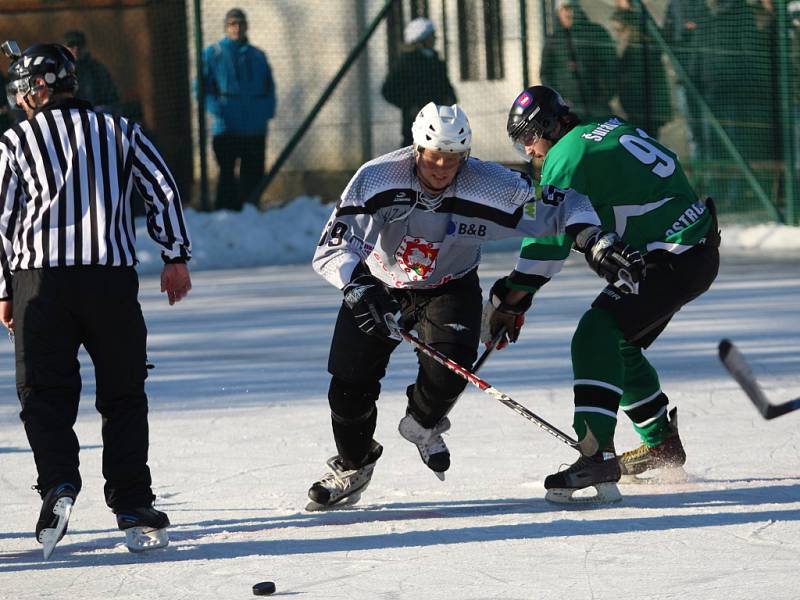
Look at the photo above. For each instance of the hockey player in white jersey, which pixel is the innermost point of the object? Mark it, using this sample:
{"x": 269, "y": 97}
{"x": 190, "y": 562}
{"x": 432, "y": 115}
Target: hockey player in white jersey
{"x": 404, "y": 241}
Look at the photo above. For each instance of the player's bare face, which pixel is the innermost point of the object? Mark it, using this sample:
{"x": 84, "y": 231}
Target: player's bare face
{"x": 436, "y": 170}
{"x": 539, "y": 148}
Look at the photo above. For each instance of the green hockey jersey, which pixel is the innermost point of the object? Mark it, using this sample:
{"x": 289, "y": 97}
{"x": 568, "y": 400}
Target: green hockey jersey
{"x": 636, "y": 185}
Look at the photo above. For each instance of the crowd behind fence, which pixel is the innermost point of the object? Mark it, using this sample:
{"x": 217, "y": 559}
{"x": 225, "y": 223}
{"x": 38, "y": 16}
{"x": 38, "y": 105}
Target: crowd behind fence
{"x": 264, "y": 100}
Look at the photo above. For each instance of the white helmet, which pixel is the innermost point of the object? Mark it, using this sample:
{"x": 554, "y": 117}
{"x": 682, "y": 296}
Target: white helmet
{"x": 442, "y": 128}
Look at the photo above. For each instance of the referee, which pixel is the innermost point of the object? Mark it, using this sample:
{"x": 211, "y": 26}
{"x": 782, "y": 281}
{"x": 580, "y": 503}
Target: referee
{"x": 67, "y": 253}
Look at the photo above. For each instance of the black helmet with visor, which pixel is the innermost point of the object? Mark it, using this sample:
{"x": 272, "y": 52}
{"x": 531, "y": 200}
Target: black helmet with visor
{"x": 534, "y": 116}
{"x": 52, "y": 63}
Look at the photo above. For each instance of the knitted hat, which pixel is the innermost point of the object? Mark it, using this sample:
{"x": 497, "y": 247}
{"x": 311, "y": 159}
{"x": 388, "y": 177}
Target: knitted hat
{"x": 235, "y": 13}
{"x": 418, "y": 30}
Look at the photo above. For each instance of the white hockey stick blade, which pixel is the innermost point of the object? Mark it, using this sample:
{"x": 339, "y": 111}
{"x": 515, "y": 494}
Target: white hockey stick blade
{"x": 142, "y": 539}
{"x": 607, "y": 493}
{"x": 50, "y": 536}
{"x": 736, "y": 364}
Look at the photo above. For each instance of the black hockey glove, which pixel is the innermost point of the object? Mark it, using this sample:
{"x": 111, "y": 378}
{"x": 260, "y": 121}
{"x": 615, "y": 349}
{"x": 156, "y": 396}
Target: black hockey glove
{"x": 371, "y": 304}
{"x": 497, "y": 314}
{"x": 613, "y": 259}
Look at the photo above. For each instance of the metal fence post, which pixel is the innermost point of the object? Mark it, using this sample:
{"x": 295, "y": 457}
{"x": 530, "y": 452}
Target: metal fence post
{"x": 201, "y": 106}
{"x": 786, "y": 117}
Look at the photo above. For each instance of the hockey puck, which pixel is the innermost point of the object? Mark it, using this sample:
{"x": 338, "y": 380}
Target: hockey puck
{"x": 265, "y": 588}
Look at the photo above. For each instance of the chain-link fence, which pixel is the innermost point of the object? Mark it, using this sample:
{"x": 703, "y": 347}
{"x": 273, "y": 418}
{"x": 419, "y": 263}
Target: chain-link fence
{"x": 715, "y": 80}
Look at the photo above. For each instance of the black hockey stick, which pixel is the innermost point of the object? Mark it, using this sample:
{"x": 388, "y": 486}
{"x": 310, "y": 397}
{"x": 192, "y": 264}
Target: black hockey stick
{"x": 737, "y": 366}
{"x": 485, "y": 387}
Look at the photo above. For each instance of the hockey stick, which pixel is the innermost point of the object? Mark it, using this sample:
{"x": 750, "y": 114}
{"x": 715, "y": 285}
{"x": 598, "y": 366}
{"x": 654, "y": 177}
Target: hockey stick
{"x": 479, "y": 363}
{"x": 485, "y": 387}
{"x": 737, "y": 366}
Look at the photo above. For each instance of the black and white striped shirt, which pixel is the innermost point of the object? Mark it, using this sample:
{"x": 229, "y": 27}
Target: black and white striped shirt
{"x": 66, "y": 180}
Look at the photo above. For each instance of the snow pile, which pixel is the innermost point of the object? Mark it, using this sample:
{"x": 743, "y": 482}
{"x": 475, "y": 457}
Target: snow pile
{"x": 769, "y": 237}
{"x": 288, "y": 235}
{"x": 226, "y": 239}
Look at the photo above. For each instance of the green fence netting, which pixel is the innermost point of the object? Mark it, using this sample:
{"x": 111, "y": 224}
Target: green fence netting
{"x": 718, "y": 81}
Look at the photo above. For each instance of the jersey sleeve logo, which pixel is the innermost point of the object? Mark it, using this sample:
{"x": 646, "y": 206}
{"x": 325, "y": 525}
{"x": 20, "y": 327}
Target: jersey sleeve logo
{"x": 529, "y": 212}
{"x": 552, "y": 195}
{"x": 417, "y": 257}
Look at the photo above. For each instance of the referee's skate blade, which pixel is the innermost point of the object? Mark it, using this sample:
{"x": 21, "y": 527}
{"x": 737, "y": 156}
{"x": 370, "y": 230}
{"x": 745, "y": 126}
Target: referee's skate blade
{"x": 439, "y": 474}
{"x": 50, "y": 536}
{"x": 142, "y": 539}
{"x": 607, "y": 493}
{"x": 345, "y": 502}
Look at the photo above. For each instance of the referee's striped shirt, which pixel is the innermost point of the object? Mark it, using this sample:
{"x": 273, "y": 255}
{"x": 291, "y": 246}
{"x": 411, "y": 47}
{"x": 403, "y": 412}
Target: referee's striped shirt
{"x": 66, "y": 179}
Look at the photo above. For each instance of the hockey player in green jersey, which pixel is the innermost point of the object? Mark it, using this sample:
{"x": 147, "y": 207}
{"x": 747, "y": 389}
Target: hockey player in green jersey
{"x": 662, "y": 253}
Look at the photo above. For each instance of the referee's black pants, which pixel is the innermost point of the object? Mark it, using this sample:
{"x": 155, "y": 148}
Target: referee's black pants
{"x": 447, "y": 318}
{"x": 56, "y": 310}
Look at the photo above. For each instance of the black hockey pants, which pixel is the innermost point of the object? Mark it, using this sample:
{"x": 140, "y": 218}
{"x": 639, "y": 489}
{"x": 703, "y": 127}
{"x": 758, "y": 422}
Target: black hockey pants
{"x": 56, "y": 310}
{"x": 448, "y": 318}
{"x": 671, "y": 282}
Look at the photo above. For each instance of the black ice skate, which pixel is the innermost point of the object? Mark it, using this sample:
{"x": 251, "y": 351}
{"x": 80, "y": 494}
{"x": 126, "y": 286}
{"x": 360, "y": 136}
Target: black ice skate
{"x": 54, "y": 516}
{"x": 432, "y": 449}
{"x": 145, "y": 528}
{"x": 343, "y": 484}
{"x": 661, "y": 464}
{"x": 599, "y": 470}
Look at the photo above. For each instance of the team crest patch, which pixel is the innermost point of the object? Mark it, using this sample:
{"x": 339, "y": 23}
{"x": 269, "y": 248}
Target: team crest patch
{"x": 417, "y": 257}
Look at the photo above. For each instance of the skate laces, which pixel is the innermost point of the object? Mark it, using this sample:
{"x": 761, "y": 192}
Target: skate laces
{"x": 640, "y": 452}
{"x": 338, "y": 477}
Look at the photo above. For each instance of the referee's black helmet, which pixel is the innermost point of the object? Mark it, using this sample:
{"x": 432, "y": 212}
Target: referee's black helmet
{"x": 53, "y": 63}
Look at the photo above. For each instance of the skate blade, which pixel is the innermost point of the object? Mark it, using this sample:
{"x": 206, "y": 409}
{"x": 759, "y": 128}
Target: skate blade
{"x": 607, "y": 493}
{"x": 662, "y": 476}
{"x": 142, "y": 539}
{"x": 49, "y": 537}
{"x": 439, "y": 474}
{"x": 341, "y": 503}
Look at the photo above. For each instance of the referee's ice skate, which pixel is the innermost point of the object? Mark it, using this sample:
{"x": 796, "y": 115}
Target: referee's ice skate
{"x": 54, "y": 516}
{"x": 145, "y": 528}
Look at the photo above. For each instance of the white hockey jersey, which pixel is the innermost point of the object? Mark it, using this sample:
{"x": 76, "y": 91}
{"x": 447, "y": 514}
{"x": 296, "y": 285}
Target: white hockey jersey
{"x": 379, "y": 221}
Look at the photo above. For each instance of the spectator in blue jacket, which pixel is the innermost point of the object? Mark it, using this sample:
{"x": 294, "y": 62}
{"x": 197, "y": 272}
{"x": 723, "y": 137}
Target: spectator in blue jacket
{"x": 240, "y": 96}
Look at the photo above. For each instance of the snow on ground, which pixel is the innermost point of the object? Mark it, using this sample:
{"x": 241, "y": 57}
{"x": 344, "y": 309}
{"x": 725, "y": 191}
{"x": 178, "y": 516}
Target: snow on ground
{"x": 240, "y": 429}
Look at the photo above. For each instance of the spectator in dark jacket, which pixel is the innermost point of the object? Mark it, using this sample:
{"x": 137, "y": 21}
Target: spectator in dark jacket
{"x": 642, "y": 81}
{"x": 240, "y": 97}
{"x": 97, "y": 86}
{"x": 682, "y": 21}
{"x": 579, "y": 60}
{"x": 419, "y": 76}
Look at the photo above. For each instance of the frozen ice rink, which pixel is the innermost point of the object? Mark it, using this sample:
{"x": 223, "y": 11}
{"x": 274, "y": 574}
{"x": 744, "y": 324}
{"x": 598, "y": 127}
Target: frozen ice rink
{"x": 240, "y": 429}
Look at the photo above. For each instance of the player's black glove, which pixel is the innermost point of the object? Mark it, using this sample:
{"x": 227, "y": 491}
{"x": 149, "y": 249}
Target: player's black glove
{"x": 612, "y": 258}
{"x": 371, "y": 304}
{"x": 497, "y": 314}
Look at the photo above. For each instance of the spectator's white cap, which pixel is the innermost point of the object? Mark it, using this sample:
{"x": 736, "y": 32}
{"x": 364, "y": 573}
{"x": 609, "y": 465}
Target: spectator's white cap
{"x": 566, "y": 3}
{"x": 793, "y": 10}
{"x": 418, "y": 30}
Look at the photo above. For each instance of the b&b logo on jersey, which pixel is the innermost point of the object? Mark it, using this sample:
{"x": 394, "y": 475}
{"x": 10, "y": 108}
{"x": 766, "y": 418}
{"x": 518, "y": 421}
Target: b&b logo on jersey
{"x": 417, "y": 257}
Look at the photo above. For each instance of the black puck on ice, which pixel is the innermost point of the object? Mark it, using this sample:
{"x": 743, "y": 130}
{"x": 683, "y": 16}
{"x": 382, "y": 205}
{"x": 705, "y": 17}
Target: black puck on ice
{"x": 265, "y": 588}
